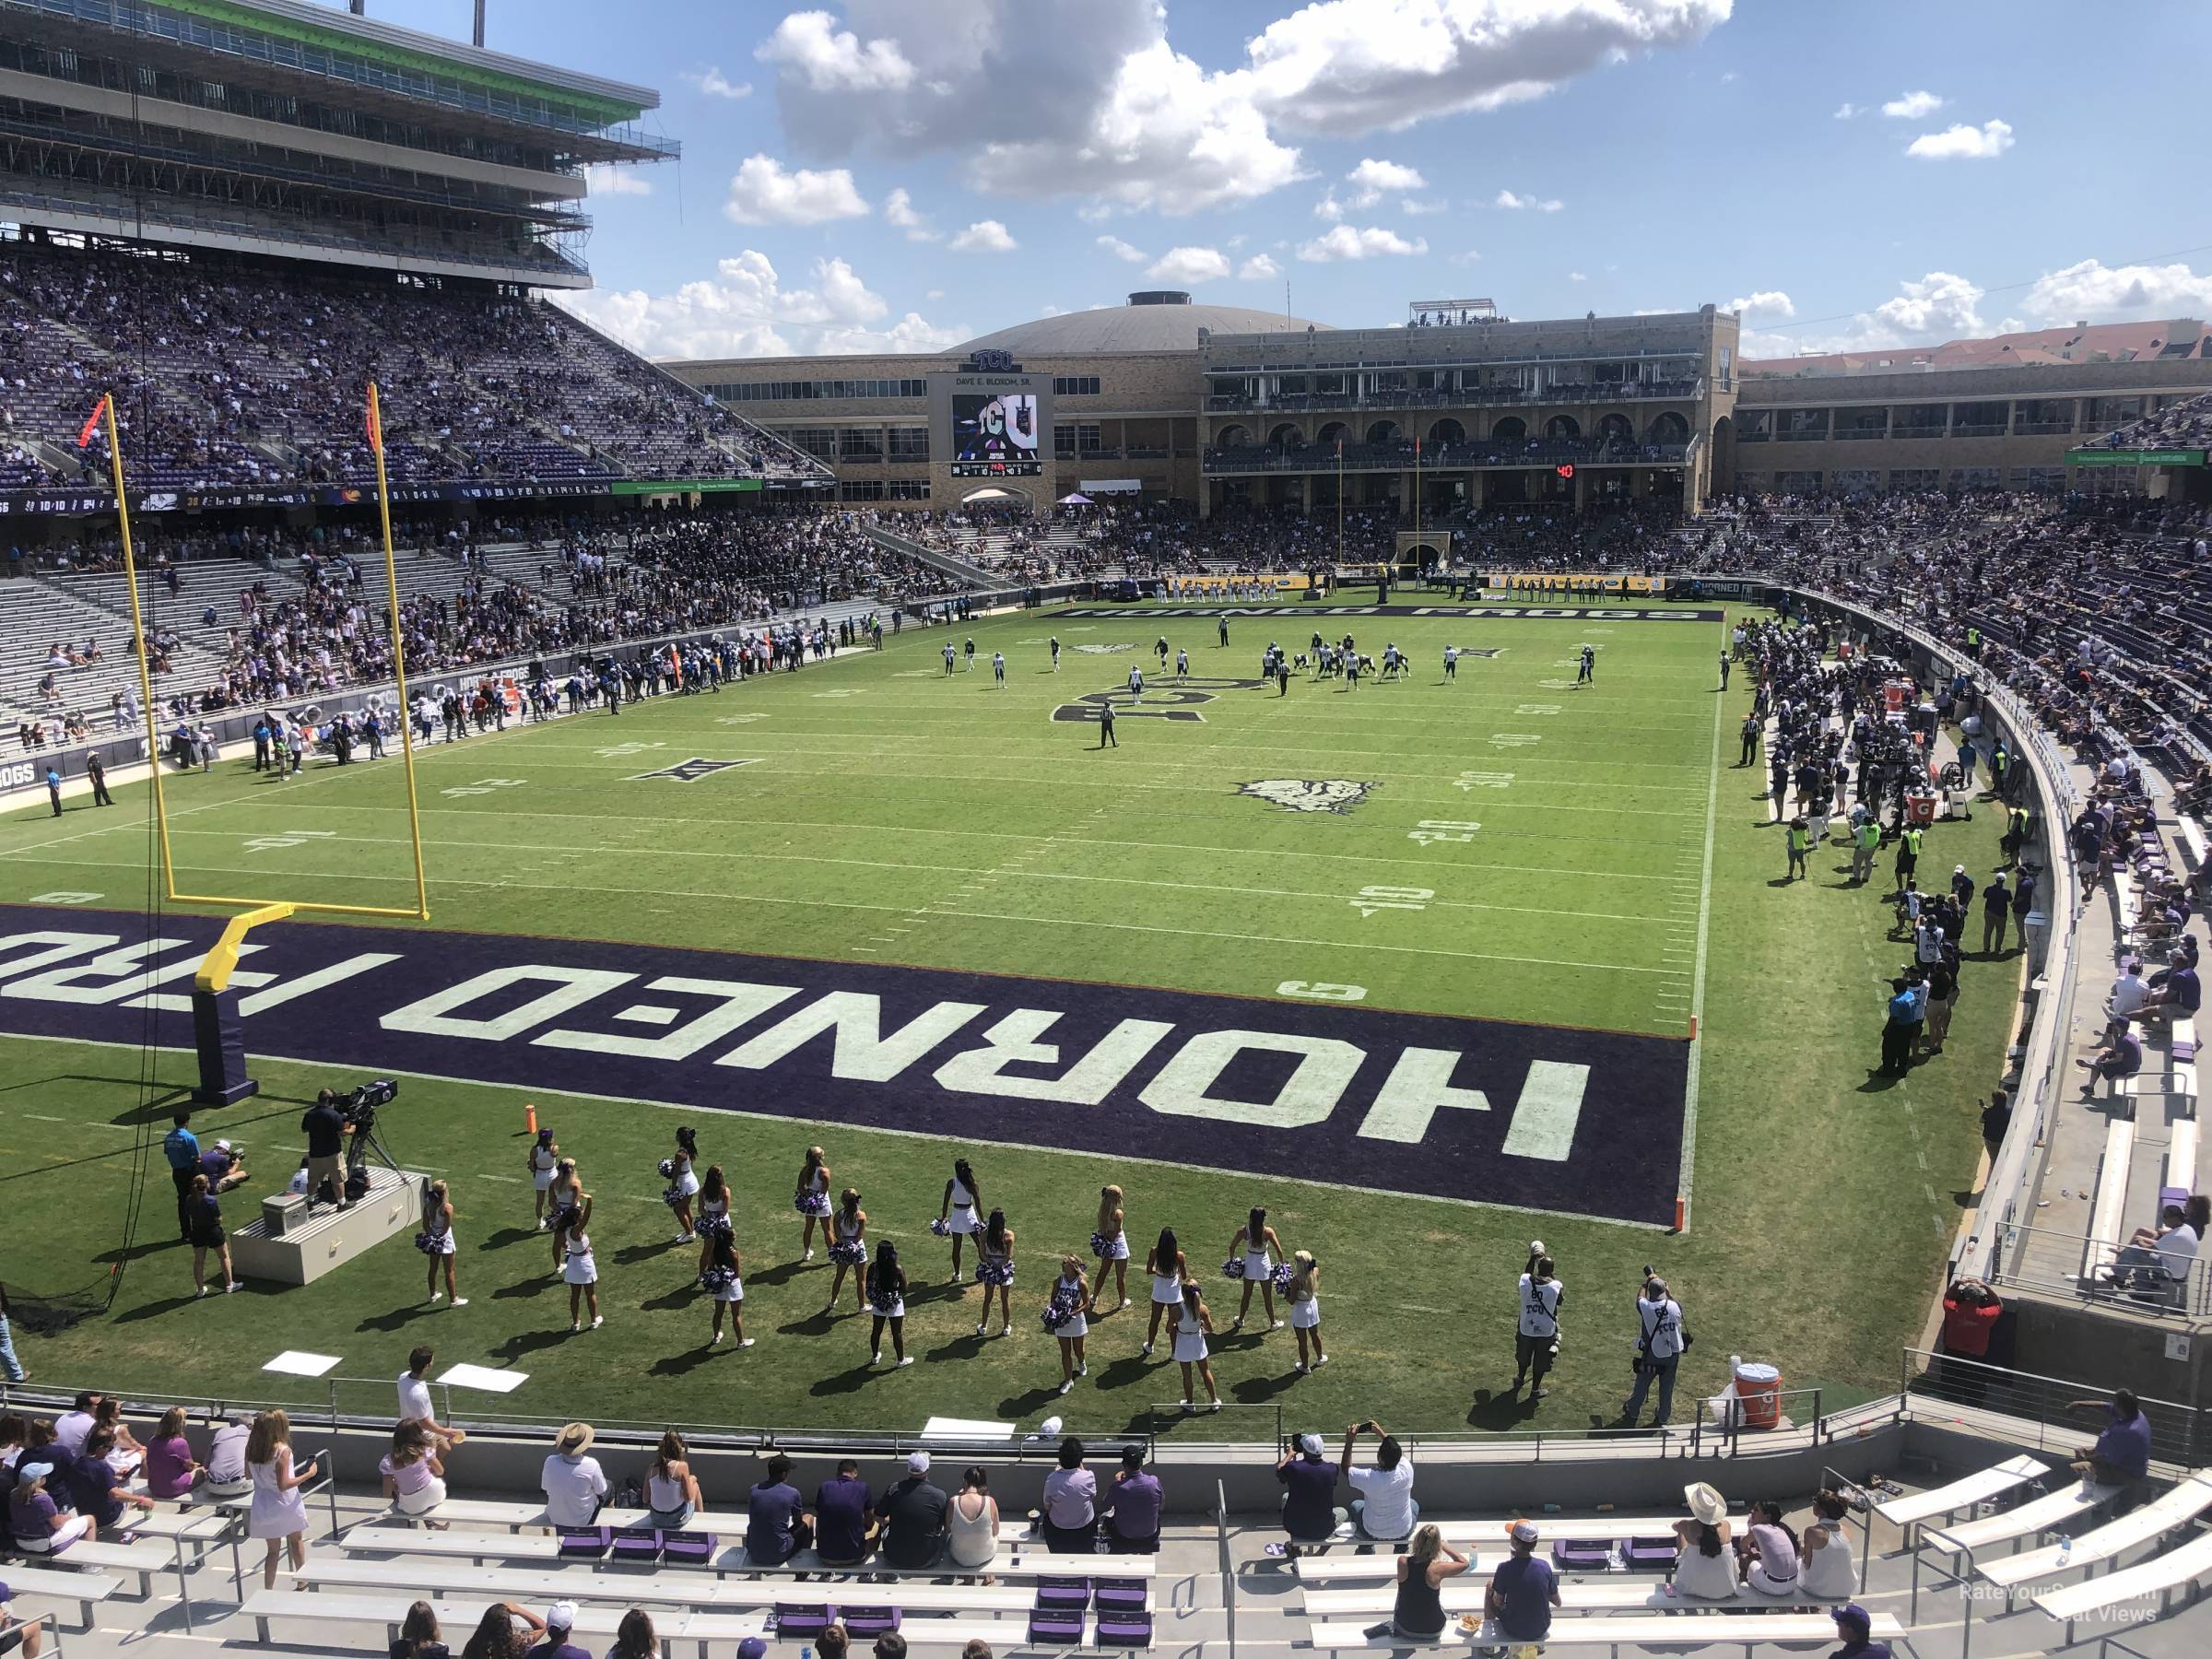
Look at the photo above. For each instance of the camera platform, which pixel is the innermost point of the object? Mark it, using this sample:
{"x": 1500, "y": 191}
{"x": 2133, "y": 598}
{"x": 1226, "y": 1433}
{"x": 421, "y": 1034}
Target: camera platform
{"x": 330, "y": 1237}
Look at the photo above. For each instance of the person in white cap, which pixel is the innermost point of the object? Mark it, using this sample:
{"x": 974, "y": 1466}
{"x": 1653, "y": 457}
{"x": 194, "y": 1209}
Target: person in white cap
{"x": 1523, "y": 1590}
{"x": 1310, "y": 1512}
{"x": 914, "y": 1517}
{"x": 561, "y": 1624}
{"x": 1536, "y": 1344}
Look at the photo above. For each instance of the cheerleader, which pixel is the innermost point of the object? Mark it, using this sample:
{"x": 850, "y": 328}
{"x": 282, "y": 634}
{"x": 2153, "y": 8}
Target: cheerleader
{"x": 542, "y": 1160}
{"x": 886, "y": 1292}
{"x": 956, "y": 1216}
{"x": 1256, "y": 1244}
{"x": 848, "y": 1249}
{"x": 994, "y": 1271}
{"x": 1169, "y": 1272}
{"x": 724, "y": 1281}
{"x": 1110, "y": 1243}
{"x": 714, "y": 1214}
{"x": 1067, "y": 1316}
{"x": 1191, "y": 1325}
{"x": 577, "y": 1266}
{"x": 683, "y": 1181}
{"x": 436, "y": 1240}
{"x": 811, "y": 1199}
{"x": 1304, "y": 1295}
{"x": 560, "y": 1205}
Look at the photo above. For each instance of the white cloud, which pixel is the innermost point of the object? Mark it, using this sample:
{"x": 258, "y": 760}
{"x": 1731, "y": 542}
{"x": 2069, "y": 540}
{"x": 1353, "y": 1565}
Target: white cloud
{"x": 1343, "y": 243}
{"x": 1939, "y": 302}
{"x": 1764, "y": 303}
{"x": 831, "y": 60}
{"x": 763, "y": 193}
{"x": 899, "y": 210}
{"x": 1375, "y": 180}
{"x": 745, "y": 311}
{"x": 1928, "y": 310}
{"x": 935, "y": 294}
{"x": 1509, "y": 199}
{"x": 1576, "y": 276}
{"x": 985, "y": 236}
{"x": 1913, "y": 106}
{"x": 1414, "y": 209}
{"x": 2117, "y": 293}
{"x": 1848, "y": 112}
{"x": 1329, "y": 209}
{"x": 1122, "y": 250}
{"x": 1189, "y": 265}
{"x": 1964, "y": 143}
{"x": 1258, "y": 268}
{"x": 617, "y": 180}
{"x": 1096, "y": 102}
{"x": 1343, "y": 68}
{"x": 1468, "y": 258}
{"x": 1729, "y": 75}
{"x": 714, "y": 84}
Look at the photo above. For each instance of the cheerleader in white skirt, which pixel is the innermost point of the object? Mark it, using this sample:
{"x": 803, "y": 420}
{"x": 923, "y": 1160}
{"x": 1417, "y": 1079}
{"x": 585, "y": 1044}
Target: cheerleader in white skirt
{"x": 542, "y": 1160}
{"x": 1169, "y": 1272}
{"x": 849, "y": 1250}
{"x": 887, "y": 1300}
{"x": 957, "y": 1215}
{"x": 1304, "y": 1295}
{"x": 1193, "y": 1324}
{"x": 994, "y": 1271}
{"x": 811, "y": 1199}
{"x": 1110, "y": 1243}
{"x": 560, "y": 1207}
{"x": 577, "y": 1266}
{"x": 436, "y": 1240}
{"x": 724, "y": 1280}
{"x": 682, "y": 1176}
{"x": 1067, "y": 1316}
{"x": 1252, "y": 1254}
{"x": 714, "y": 1214}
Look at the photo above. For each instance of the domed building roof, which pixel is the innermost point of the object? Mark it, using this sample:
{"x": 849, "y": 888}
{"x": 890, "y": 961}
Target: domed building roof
{"x": 1161, "y": 320}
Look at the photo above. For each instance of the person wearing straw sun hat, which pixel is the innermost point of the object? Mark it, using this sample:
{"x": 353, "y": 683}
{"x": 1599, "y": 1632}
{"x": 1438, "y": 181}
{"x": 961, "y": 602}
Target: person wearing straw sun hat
{"x": 1705, "y": 1569}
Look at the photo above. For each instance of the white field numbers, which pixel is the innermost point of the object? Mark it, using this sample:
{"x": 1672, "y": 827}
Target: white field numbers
{"x": 483, "y": 786}
{"x": 1432, "y": 831}
{"x": 1482, "y": 779}
{"x": 1369, "y": 899}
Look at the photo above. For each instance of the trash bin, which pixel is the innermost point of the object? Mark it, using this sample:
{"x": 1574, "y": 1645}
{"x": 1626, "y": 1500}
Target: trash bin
{"x": 1758, "y": 1392}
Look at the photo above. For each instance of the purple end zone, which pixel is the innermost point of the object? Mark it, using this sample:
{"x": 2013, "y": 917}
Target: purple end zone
{"x": 1536, "y": 1117}
{"x": 1570, "y": 613}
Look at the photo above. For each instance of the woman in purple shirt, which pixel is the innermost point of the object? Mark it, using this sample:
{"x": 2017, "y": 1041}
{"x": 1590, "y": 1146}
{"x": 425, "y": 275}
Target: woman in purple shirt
{"x": 170, "y": 1469}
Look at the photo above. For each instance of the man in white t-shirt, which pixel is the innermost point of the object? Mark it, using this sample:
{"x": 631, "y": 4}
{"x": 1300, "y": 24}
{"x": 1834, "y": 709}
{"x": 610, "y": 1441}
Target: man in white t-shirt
{"x": 1537, "y": 1342}
{"x": 576, "y": 1486}
{"x": 415, "y": 1400}
{"x": 1385, "y": 1510}
{"x": 72, "y": 1427}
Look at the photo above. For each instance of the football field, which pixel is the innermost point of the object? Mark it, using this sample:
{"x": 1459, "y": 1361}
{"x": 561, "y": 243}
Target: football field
{"x": 1414, "y": 964}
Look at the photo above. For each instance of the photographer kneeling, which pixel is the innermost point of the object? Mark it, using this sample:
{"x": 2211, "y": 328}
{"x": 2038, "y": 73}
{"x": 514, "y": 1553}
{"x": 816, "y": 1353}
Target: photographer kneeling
{"x": 1660, "y": 1342}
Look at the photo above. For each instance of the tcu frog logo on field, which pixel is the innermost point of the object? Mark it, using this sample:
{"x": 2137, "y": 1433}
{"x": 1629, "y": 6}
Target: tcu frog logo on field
{"x": 1309, "y": 794}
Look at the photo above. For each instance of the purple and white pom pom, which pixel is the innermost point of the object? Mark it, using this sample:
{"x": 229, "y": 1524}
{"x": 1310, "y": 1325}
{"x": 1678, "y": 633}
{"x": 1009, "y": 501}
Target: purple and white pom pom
{"x": 991, "y": 1272}
{"x": 811, "y": 1203}
{"x": 1281, "y": 1276}
{"x": 422, "y": 1242}
{"x": 1101, "y": 1246}
{"x": 1233, "y": 1268}
{"x": 672, "y": 1197}
{"x": 849, "y": 1253}
{"x": 941, "y": 1226}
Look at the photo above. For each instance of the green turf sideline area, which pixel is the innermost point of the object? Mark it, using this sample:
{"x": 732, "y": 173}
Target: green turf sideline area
{"x": 890, "y": 813}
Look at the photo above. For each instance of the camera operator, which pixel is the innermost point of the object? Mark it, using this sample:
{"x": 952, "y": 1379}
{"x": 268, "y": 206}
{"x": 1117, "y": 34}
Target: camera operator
{"x": 326, "y": 1125}
{"x": 1660, "y": 1341}
{"x": 1536, "y": 1345}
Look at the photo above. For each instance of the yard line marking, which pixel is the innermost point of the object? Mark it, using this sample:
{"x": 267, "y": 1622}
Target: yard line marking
{"x": 75, "y": 1123}
{"x": 1696, "y": 1011}
{"x": 502, "y": 1179}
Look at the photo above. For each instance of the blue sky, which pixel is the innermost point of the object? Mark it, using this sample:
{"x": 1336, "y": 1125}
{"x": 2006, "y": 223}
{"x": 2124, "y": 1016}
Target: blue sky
{"x": 902, "y": 174}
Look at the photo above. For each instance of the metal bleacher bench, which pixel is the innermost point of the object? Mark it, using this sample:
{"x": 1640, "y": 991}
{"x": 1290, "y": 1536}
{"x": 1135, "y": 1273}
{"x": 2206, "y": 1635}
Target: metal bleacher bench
{"x": 2159, "y": 1576}
{"x": 140, "y": 1561}
{"x": 391, "y": 1610}
{"x": 1684, "y": 1631}
{"x": 1015, "y": 1562}
{"x": 1314, "y": 1569}
{"x": 1626, "y": 1594}
{"x": 2194, "y": 840}
{"x": 2108, "y": 1214}
{"x": 83, "y": 1588}
{"x": 1909, "y": 1511}
{"x": 2175, "y": 1508}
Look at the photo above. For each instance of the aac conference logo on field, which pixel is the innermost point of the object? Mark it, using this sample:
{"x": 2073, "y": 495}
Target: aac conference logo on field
{"x": 1540, "y": 1117}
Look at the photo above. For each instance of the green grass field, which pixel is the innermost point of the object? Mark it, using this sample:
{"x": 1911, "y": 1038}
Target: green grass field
{"x": 894, "y": 815}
